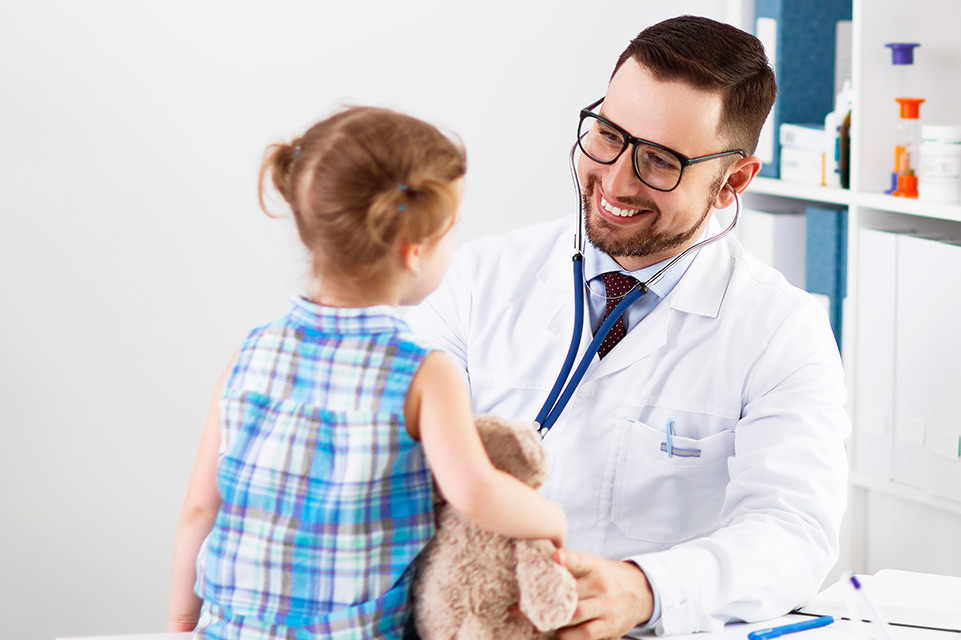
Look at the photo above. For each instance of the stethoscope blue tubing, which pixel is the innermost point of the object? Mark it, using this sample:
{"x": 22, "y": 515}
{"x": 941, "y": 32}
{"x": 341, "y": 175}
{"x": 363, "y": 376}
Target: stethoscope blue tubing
{"x": 553, "y": 407}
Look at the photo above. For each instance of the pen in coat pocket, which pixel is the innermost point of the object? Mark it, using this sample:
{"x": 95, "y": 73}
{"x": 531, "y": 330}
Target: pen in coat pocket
{"x": 668, "y": 445}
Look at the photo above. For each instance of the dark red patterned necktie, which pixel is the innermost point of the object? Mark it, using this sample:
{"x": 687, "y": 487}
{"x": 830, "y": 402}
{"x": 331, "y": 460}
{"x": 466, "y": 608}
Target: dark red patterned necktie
{"x": 617, "y": 285}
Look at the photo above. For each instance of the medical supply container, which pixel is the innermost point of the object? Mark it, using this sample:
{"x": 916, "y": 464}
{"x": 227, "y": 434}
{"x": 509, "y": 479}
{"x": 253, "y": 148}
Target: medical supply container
{"x": 939, "y": 174}
{"x": 904, "y": 179}
{"x": 837, "y": 152}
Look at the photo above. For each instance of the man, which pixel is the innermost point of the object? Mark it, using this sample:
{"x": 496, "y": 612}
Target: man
{"x": 701, "y": 460}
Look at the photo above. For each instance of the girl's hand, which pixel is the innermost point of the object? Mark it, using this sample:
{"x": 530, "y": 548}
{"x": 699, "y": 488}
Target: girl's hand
{"x": 180, "y": 626}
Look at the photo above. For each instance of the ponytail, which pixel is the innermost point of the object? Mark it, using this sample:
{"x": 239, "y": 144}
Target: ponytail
{"x": 279, "y": 160}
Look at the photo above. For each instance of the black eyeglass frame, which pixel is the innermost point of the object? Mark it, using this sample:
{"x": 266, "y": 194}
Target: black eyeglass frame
{"x": 632, "y": 141}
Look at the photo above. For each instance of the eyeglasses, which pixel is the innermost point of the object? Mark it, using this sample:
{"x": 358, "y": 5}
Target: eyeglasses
{"x": 658, "y": 167}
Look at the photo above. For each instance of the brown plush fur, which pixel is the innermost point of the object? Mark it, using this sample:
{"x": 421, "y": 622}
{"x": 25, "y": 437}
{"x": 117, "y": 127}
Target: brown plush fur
{"x": 471, "y": 582}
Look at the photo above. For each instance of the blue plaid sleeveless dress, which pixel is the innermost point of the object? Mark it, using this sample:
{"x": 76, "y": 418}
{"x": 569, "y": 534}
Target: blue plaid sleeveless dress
{"x": 326, "y": 498}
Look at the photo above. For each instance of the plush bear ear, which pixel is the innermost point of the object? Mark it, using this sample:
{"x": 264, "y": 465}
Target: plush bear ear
{"x": 514, "y": 446}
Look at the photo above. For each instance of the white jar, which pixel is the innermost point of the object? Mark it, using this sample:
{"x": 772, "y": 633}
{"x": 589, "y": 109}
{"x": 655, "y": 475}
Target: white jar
{"x": 939, "y": 172}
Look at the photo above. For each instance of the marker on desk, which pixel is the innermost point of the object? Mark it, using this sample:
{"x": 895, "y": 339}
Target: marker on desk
{"x": 876, "y": 616}
{"x": 777, "y": 632}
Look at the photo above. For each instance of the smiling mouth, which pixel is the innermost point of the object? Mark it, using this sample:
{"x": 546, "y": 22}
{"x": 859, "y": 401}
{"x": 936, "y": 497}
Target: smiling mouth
{"x": 617, "y": 211}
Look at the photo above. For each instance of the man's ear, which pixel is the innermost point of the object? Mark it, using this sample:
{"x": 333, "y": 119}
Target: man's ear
{"x": 739, "y": 177}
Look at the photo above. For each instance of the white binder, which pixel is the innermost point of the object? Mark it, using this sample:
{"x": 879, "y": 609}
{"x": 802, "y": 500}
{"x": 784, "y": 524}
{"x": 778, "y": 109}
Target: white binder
{"x": 874, "y": 391}
{"x": 777, "y": 239}
{"x": 927, "y": 430}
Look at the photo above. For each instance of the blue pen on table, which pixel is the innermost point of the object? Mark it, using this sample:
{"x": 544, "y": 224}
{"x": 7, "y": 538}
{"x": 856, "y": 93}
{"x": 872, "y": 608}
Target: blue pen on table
{"x": 777, "y": 632}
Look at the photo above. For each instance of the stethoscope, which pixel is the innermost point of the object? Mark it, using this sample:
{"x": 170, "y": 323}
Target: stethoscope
{"x": 560, "y": 394}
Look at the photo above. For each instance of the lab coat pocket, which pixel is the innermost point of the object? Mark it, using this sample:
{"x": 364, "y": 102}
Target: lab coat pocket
{"x": 666, "y": 498}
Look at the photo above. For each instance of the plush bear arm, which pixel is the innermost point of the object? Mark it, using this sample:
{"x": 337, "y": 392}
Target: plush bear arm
{"x": 548, "y": 592}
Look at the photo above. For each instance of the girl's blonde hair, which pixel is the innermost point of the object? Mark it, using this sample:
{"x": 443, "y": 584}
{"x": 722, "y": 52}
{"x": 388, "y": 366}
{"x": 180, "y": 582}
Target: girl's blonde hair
{"x": 359, "y": 180}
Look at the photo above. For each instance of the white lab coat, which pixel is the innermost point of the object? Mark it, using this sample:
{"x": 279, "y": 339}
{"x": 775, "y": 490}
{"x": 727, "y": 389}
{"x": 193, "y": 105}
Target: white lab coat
{"x": 744, "y": 363}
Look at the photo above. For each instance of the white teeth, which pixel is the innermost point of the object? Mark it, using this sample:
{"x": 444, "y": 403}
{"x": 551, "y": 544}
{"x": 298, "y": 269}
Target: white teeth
{"x": 617, "y": 211}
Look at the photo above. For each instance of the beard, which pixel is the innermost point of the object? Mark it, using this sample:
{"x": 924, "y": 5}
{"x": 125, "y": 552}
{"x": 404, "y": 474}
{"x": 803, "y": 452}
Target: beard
{"x": 643, "y": 242}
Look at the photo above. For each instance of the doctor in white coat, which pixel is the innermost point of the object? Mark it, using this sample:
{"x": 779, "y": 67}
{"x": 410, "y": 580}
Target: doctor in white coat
{"x": 701, "y": 461}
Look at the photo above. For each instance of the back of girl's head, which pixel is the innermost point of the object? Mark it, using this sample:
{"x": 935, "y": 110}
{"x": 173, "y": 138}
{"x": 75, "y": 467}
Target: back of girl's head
{"x": 361, "y": 179}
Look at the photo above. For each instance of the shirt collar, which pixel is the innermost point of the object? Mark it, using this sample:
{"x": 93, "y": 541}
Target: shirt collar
{"x": 345, "y": 320}
{"x": 596, "y": 263}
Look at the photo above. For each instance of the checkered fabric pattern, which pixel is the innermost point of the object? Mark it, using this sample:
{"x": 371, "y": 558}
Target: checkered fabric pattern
{"x": 326, "y": 498}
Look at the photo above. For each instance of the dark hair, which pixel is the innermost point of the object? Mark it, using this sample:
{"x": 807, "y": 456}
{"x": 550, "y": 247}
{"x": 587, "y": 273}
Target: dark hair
{"x": 362, "y": 178}
{"x": 713, "y": 56}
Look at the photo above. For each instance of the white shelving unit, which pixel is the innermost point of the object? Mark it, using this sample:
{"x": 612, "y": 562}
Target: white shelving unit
{"x": 885, "y": 517}
{"x": 861, "y": 200}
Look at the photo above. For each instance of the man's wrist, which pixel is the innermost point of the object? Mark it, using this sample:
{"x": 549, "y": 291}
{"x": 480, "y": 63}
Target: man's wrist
{"x": 650, "y": 600}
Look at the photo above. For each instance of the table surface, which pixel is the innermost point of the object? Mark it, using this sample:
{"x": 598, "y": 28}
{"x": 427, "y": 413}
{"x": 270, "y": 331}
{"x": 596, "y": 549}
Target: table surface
{"x": 933, "y": 596}
{"x": 840, "y": 630}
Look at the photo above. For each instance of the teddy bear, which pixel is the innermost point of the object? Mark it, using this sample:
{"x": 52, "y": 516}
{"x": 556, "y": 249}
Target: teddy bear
{"x": 470, "y": 582}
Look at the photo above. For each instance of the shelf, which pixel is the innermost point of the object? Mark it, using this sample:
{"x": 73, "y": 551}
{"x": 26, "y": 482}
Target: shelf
{"x": 799, "y": 191}
{"x": 910, "y": 206}
{"x": 876, "y": 201}
{"x": 898, "y": 490}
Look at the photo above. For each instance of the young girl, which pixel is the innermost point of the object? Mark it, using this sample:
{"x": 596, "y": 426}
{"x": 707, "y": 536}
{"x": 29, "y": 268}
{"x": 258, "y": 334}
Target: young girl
{"x": 311, "y": 493}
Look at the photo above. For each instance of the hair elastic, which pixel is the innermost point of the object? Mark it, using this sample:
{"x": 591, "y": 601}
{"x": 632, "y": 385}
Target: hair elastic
{"x": 403, "y": 187}
{"x": 297, "y": 151}
{"x": 402, "y": 207}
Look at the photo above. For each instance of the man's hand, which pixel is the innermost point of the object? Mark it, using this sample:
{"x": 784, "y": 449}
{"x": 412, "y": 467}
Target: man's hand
{"x": 613, "y": 596}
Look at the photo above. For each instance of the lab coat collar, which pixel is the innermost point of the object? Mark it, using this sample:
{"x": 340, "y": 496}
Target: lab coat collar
{"x": 557, "y": 273}
{"x": 596, "y": 263}
{"x": 702, "y": 288}
{"x": 553, "y": 272}
{"x": 700, "y": 291}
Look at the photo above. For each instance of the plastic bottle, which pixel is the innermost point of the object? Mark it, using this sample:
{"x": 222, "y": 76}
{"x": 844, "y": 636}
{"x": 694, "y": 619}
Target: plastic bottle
{"x": 905, "y": 76}
{"x": 844, "y": 157}
{"x": 906, "y": 148}
{"x": 903, "y": 175}
{"x": 939, "y": 172}
{"x": 834, "y": 130}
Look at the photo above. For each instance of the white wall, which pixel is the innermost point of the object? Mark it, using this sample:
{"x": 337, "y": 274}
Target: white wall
{"x": 133, "y": 255}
